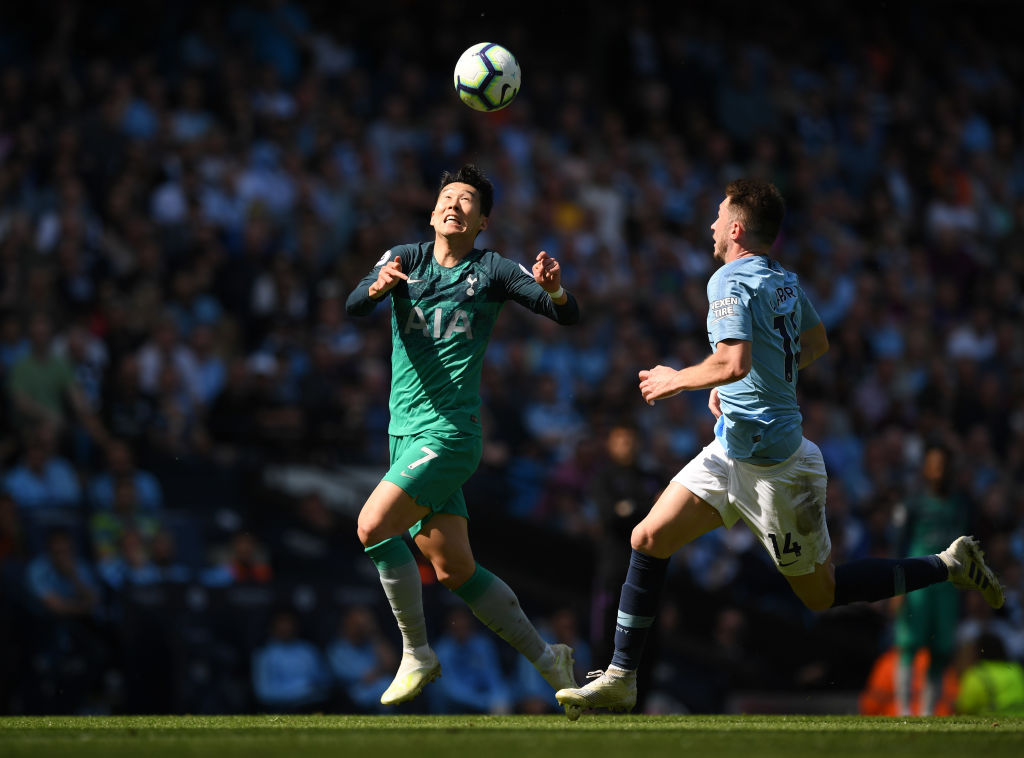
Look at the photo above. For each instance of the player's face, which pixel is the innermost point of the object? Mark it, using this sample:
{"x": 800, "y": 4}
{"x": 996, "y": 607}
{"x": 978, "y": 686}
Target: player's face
{"x": 720, "y": 229}
{"x": 458, "y": 211}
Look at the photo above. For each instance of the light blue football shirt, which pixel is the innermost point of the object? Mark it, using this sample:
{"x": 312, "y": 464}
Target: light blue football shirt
{"x": 756, "y": 299}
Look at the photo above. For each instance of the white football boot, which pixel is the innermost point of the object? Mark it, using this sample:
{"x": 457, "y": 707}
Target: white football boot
{"x": 967, "y": 570}
{"x": 414, "y": 673}
{"x": 613, "y": 689}
{"x": 560, "y": 676}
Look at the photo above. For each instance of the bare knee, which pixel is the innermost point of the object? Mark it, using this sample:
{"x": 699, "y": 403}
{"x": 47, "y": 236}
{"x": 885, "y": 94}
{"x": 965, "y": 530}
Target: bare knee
{"x": 371, "y": 531}
{"x": 644, "y": 539}
{"x": 817, "y": 597}
{"x": 816, "y": 590}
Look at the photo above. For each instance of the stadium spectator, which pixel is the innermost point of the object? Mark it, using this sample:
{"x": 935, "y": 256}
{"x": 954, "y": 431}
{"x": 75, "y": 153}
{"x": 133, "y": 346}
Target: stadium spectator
{"x": 68, "y": 645}
{"x": 211, "y": 369}
{"x": 131, "y": 564}
{"x": 121, "y": 465}
{"x": 228, "y": 420}
{"x": 244, "y": 563}
{"x": 288, "y": 673}
{"x": 125, "y": 514}
{"x": 14, "y": 345}
{"x": 473, "y": 681}
{"x": 881, "y": 696}
{"x": 621, "y": 489}
{"x": 309, "y": 541}
{"x": 12, "y": 540}
{"x": 42, "y": 386}
{"x": 163, "y": 551}
{"x": 993, "y": 684}
{"x": 60, "y": 583}
{"x": 88, "y": 357}
{"x": 43, "y": 479}
{"x": 361, "y": 660}
{"x": 532, "y": 694}
{"x": 128, "y": 412}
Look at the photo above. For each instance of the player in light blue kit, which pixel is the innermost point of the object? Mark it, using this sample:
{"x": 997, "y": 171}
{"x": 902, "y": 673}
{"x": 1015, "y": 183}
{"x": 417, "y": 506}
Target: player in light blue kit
{"x": 759, "y": 467}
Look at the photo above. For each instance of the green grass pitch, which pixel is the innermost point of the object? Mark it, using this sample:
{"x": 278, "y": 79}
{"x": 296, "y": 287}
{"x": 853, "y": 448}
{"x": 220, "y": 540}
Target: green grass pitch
{"x": 510, "y": 736}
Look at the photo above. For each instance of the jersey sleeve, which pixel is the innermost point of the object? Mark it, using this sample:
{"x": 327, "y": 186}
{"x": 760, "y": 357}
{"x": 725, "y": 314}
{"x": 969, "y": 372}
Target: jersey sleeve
{"x": 519, "y": 285}
{"x": 729, "y": 314}
{"x": 809, "y": 317}
{"x": 359, "y": 302}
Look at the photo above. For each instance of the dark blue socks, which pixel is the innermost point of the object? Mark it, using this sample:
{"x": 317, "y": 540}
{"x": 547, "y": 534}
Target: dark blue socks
{"x": 638, "y": 605}
{"x": 871, "y": 579}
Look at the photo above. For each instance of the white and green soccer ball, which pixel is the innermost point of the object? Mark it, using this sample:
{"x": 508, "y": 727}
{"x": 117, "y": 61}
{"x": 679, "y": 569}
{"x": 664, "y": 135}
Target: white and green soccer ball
{"x": 487, "y": 77}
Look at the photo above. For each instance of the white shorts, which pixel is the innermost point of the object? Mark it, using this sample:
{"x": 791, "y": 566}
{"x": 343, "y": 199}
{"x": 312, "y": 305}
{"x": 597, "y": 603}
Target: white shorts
{"x": 783, "y": 504}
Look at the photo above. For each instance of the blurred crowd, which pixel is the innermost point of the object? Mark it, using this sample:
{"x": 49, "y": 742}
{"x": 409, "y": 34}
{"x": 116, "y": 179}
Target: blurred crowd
{"x": 188, "y": 193}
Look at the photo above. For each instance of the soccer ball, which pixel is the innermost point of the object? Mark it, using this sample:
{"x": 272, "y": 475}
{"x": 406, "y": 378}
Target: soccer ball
{"x": 487, "y": 77}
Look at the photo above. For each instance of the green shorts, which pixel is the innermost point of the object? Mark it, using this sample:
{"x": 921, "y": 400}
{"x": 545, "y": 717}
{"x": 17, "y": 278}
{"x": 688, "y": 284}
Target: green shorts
{"x": 432, "y": 467}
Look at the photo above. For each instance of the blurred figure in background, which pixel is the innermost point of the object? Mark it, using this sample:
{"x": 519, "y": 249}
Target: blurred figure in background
{"x": 43, "y": 479}
{"x": 361, "y": 660}
{"x": 532, "y": 693}
{"x": 245, "y": 563}
{"x": 121, "y": 463}
{"x": 879, "y": 695}
{"x": 927, "y": 619}
{"x": 993, "y": 684}
{"x": 622, "y": 491}
{"x": 288, "y": 673}
{"x": 473, "y": 680}
{"x": 68, "y": 642}
{"x": 60, "y": 582}
{"x": 108, "y": 526}
{"x": 43, "y": 386}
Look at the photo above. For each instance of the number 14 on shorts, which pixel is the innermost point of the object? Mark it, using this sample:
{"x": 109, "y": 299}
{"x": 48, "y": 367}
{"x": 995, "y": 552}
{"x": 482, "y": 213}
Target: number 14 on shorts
{"x": 788, "y": 546}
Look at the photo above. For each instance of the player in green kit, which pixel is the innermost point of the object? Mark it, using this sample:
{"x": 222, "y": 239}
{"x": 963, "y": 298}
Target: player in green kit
{"x": 927, "y": 619}
{"x": 445, "y": 297}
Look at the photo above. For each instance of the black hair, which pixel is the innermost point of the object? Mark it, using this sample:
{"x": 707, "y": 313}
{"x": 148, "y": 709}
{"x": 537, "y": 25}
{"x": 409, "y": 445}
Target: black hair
{"x": 474, "y": 177}
{"x": 945, "y": 486}
{"x": 760, "y": 207}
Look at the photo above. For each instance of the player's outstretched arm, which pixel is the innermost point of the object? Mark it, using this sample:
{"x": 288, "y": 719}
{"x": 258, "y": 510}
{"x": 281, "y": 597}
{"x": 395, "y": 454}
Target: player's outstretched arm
{"x": 729, "y": 363}
{"x": 813, "y": 344}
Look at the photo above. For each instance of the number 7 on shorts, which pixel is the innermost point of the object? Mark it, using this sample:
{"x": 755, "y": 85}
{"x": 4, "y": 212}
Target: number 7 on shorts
{"x": 430, "y": 455}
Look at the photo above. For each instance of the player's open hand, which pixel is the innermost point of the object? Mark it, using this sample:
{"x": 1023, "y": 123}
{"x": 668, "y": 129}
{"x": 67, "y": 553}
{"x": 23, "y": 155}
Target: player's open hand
{"x": 388, "y": 276}
{"x": 714, "y": 404}
{"x": 547, "y": 273}
{"x": 658, "y": 383}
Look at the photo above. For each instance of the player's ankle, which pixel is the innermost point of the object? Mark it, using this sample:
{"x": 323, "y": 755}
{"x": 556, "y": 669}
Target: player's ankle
{"x": 546, "y": 659}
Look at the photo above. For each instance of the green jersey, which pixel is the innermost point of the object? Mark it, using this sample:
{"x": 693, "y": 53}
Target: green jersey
{"x": 441, "y": 322}
{"x": 932, "y": 522}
